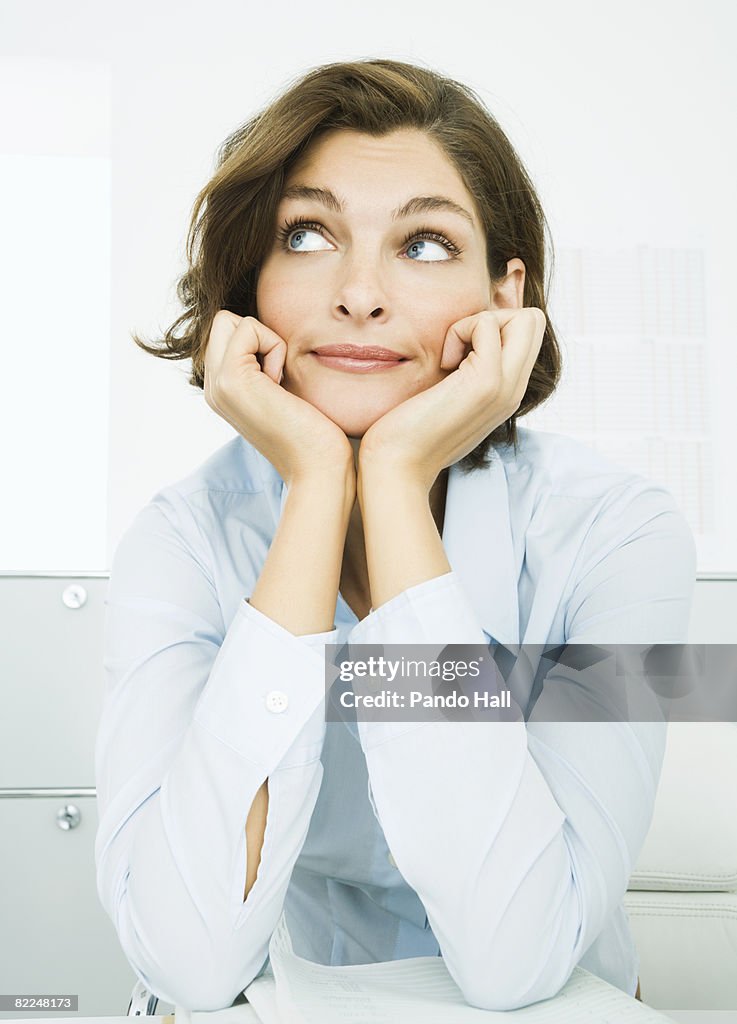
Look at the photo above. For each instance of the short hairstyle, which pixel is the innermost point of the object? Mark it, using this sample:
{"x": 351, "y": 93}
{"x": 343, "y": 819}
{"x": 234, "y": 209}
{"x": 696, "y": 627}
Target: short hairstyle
{"x": 233, "y": 220}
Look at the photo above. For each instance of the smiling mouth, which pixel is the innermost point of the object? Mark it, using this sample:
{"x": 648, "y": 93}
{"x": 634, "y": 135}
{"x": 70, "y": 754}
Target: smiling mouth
{"x": 351, "y": 364}
{"x": 376, "y": 352}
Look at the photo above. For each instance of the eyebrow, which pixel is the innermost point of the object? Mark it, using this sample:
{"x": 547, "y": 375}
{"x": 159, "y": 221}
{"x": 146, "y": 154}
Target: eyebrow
{"x": 418, "y": 204}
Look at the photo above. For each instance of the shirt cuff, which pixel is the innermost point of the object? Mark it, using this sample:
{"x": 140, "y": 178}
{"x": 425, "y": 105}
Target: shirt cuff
{"x": 436, "y": 611}
{"x": 315, "y": 640}
{"x": 265, "y": 696}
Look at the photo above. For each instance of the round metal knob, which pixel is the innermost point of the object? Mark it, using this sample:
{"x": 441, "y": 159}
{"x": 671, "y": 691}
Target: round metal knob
{"x": 68, "y": 817}
{"x": 74, "y": 595}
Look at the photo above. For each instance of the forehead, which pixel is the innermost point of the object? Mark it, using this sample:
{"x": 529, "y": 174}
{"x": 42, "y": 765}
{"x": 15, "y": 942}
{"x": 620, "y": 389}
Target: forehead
{"x": 404, "y": 161}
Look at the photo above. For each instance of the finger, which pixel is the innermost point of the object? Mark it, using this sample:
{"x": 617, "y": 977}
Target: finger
{"x": 234, "y": 336}
{"x": 522, "y": 339}
{"x": 223, "y": 326}
{"x": 274, "y": 361}
{"x": 458, "y": 341}
{"x": 482, "y": 333}
{"x": 270, "y": 349}
{"x": 454, "y": 349}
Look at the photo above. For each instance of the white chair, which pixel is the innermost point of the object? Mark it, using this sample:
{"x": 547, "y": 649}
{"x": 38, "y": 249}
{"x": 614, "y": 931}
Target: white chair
{"x": 682, "y": 896}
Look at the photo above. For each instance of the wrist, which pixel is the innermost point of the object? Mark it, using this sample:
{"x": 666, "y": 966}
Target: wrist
{"x": 388, "y": 472}
{"x": 336, "y": 482}
{"x": 382, "y": 480}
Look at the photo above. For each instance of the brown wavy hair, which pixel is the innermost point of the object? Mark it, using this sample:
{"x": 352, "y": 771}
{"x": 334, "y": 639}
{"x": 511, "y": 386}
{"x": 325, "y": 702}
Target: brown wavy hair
{"x": 234, "y": 216}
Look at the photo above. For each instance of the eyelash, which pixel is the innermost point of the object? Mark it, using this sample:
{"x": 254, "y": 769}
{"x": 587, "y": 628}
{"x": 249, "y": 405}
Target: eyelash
{"x": 286, "y": 230}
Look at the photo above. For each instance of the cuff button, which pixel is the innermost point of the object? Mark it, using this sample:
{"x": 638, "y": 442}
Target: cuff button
{"x": 276, "y": 701}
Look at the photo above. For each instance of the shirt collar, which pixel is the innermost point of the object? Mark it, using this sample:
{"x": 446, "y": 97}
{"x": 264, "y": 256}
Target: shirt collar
{"x": 477, "y": 537}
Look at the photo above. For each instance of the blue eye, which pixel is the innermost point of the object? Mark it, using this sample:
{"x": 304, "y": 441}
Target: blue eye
{"x": 297, "y": 230}
{"x": 420, "y": 245}
{"x": 291, "y": 234}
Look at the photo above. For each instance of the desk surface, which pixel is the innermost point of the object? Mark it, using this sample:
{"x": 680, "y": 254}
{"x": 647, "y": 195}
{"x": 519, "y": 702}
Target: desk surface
{"x": 246, "y": 1015}
{"x": 702, "y": 1016}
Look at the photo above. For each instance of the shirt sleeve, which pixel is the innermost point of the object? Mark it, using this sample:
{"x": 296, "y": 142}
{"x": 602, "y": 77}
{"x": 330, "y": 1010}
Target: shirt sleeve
{"x": 195, "y": 718}
{"x": 520, "y": 838}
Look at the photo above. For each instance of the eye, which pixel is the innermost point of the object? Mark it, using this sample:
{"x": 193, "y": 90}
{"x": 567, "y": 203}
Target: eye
{"x": 426, "y": 246}
{"x": 296, "y": 231}
{"x": 419, "y": 247}
{"x": 426, "y": 241}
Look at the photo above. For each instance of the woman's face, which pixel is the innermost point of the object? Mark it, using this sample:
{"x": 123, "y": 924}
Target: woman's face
{"x": 365, "y": 275}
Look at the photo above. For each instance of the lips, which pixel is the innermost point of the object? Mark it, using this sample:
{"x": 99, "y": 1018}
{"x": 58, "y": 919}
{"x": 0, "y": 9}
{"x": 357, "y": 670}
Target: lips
{"x": 372, "y": 353}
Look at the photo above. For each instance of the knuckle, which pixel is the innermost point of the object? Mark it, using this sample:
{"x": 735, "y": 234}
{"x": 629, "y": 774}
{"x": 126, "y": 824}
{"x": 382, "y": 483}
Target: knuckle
{"x": 508, "y": 407}
{"x": 510, "y": 401}
{"x": 518, "y": 396}
{"x": 538, "y": 316}
{"x": 222, "y": 318}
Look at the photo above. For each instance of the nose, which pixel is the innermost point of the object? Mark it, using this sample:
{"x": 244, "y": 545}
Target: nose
{"x": 360, "y": 294}
{"x": 354, "y": 310}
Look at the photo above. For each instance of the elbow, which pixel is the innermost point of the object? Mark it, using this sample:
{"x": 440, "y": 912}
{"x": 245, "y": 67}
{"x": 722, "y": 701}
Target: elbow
{"x": 178, "y": 991}
{"x": 184, "y": 966}
{"x": 200, "y": 986}
{"x": 515, "y": 979}
{"x": 527, "y": 958}
{"x": 190, "y": 993}
{"x": 493, "y": 990}
{"x": 203, "y": 999}
{"x": 190, "y": 983}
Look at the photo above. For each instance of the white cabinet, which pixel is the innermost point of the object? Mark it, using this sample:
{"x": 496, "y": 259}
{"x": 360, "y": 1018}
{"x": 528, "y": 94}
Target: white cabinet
{"x": 55, "y": 937}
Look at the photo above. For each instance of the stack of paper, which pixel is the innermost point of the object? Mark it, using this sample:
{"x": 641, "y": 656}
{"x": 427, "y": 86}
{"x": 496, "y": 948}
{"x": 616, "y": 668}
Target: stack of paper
{"x": 413, "y": 991}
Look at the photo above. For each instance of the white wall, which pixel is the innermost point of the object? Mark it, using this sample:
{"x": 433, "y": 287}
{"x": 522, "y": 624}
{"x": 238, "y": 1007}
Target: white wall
{"x": 621, "y": 118}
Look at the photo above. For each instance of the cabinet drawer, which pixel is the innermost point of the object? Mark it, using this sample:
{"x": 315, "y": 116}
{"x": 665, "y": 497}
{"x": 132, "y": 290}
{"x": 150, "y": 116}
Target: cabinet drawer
{"x": 52, "y": 677}
{"x": 56, "y": 937}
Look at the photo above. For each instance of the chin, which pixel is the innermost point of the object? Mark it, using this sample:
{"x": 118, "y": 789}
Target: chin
{"x": 351, "y": 424}
{"x": 353, "y": 417}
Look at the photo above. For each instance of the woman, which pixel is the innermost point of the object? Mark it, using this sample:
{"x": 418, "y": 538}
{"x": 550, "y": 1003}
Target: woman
{"x": 365, "y": 305}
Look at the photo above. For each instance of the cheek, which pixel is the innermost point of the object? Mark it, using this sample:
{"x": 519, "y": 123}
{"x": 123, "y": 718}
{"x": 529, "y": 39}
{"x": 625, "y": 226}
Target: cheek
{"x": 432, "y": 319}
{"x": 278, "y": 303}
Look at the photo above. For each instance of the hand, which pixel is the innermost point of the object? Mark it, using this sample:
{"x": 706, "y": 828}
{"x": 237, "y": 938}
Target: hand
{"x": 494, "y": 352}
{"x": 296, "y": 438}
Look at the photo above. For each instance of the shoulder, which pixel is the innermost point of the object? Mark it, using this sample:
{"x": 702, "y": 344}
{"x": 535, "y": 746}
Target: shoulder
{"x": 234, "y": 468}
{"x": 618, "y": 543}
{"x": 234, "y": 483}
{"x": 584, "y": 495}
{"x": 562, "y": 465}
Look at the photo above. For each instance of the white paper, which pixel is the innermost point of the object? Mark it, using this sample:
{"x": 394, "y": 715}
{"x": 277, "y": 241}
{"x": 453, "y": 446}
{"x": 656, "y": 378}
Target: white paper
{"x": 418, "y": 990}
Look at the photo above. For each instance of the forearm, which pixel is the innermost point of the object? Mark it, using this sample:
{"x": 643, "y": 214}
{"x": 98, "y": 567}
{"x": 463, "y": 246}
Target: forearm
{"x": 299, "y": 582}
{"x": 255, "y": 829}
{"x": 175, "y": 788}
{"x": 298, "y": 589}
{"x": 403, "y": 546}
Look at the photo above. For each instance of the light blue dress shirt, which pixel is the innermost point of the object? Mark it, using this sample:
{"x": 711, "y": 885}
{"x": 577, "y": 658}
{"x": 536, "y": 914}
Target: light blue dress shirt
{"x": 505, "y": 847}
